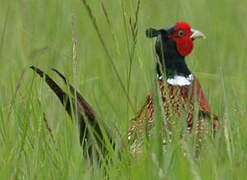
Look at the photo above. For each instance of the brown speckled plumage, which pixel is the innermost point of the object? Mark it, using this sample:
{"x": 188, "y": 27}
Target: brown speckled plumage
{"x": 178, "y": 102}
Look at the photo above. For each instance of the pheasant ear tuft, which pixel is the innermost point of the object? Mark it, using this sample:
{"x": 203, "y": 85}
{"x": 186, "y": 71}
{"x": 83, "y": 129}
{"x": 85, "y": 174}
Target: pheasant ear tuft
{"x": 151, "y": 32}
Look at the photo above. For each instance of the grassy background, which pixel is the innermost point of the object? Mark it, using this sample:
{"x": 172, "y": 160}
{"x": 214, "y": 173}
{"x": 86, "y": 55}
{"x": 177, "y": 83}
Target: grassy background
{"x": 40, "y": 33}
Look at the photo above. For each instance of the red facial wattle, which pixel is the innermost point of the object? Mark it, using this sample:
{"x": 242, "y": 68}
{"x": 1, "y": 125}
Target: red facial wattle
{"x": 184, "y": 43}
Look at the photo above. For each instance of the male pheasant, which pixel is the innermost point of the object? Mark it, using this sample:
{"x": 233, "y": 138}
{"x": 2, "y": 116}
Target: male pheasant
{"x": 180, "y": 90}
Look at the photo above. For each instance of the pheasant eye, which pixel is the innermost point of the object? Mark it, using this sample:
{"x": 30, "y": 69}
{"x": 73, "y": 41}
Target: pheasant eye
{"x": 181, "y": 33}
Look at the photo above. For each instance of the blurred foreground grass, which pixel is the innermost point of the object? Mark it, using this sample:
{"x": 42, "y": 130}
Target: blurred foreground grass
{"x": 41, "y": 33}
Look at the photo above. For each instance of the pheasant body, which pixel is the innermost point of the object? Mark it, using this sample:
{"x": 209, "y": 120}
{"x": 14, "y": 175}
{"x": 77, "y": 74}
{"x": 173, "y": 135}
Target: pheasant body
{"x": 177, "y": 101}
{"x": 180, "y": 90}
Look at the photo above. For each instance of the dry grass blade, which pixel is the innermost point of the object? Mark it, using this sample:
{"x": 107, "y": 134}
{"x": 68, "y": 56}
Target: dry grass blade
{"x": 105, "y": 13}
{"x": 74, "y": 44}
{"x": 48, "y": 127}
{"x": 4, "y": 31}
{"x": 134, "y": 25}
{"x": 134, "y": 32}
{"x": 94, "y": 22}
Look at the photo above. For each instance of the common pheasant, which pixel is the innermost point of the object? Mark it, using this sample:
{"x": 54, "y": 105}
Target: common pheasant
{"x": 179, "y": 88}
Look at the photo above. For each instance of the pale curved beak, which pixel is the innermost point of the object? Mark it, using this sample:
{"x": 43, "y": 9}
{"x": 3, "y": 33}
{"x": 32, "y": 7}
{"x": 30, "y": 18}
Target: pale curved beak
{"x": 197, "y": 34}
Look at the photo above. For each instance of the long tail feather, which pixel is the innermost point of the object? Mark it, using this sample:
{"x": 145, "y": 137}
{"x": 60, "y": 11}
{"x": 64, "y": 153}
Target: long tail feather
{"x": 88, "y": 110}
{"x": 62, "y": 96}
{"x": 90, "y": 128}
